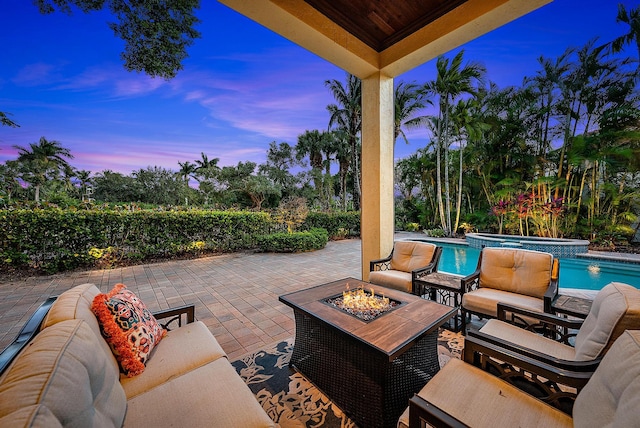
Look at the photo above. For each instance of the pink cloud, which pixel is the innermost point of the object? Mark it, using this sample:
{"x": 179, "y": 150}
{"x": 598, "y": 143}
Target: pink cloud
{"x": 36, "y": 74}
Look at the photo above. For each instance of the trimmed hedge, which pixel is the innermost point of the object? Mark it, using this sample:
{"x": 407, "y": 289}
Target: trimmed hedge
{"x": 314, "y": 239}
{"x": 56, "y": 239}
{"x": 337, "y": 224}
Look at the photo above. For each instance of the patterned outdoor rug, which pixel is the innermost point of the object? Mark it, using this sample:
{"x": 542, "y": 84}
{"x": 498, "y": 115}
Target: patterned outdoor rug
{"x": 291, "y": 400}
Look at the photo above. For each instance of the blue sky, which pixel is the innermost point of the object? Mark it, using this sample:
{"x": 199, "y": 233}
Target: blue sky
{"x": 242, "y": 86}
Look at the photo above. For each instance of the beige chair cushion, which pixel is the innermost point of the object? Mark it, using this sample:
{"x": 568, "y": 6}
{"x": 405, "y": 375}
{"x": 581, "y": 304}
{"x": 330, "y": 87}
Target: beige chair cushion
{"x": 395, "y": 279}
{"x": 186, "y": 401}
{"x": 615, "y": 309}
{"x": 528, "y": 339}
{"x": 611, "y": 398}
{"x": 61, "y": 370}
{"x": 182, "y": 350}
{"x": 480, "y": 399}
{"x": 411, "y": 255}
{"x": 75, "y": 303}
{"x": 485, "y": 301}
{"x": 515, "y": 270}
{"x": 36, "y": 416}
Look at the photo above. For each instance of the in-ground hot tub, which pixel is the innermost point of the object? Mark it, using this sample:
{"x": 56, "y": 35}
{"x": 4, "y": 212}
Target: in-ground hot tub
{"x": 559, "y": 247}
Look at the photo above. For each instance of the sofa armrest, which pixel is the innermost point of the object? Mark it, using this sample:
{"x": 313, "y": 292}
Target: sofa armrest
{"x": 176, "y": 315}
{"x": 420, "y": 410}
{"x": 28, "y": 332}
{"x": 535, "y": 361}
{"x": 529, "y": 370}
{"x": 545, "y": 318}
{"x": 553, "y": 326}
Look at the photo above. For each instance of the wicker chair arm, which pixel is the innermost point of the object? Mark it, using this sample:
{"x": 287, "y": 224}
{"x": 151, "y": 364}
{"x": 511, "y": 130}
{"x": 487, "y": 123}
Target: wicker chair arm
{"x": 176, "y": 315}
{"x": 422, "y": 410}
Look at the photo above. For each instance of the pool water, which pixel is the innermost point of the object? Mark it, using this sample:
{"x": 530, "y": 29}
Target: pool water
{"x": 583, "y": 274}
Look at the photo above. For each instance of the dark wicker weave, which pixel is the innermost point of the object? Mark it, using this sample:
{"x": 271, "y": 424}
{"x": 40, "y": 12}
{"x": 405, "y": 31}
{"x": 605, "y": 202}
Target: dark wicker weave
{"x": 369, "y": 388}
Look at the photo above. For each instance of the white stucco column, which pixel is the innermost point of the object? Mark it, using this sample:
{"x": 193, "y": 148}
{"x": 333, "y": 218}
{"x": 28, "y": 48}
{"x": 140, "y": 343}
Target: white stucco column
{"x": 377, "y": 223}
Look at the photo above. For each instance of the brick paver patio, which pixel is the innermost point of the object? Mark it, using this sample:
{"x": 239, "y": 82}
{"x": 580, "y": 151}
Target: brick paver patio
{"x": 236, "y": 295}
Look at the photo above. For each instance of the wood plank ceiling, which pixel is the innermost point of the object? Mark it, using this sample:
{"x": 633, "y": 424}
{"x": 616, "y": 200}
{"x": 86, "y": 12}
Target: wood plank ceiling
{"x": 382, "y": 23}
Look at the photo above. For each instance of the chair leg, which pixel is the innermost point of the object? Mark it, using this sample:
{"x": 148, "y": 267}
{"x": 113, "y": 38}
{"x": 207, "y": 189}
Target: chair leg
{"x": 463, "y": 315}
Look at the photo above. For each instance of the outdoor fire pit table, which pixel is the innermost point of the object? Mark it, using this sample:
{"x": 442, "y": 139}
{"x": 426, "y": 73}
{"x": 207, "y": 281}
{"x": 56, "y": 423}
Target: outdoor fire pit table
{"x": 369, "y": 368}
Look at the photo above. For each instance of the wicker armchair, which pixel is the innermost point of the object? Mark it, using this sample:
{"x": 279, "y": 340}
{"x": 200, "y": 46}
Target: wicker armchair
{"x": 408, "y": 262}
{"x": 523, "y": 278}
{"x": 462, "y": 395}
{"x": 567, "y": 353}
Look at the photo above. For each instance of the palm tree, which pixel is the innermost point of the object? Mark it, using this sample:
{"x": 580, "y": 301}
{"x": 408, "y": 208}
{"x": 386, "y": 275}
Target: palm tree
{"x": 85, "y": 178}
{"x": 42, "y": 161}
{"x": 5, "y": 121}
{"x": 9, "y": 184}
{"x": 186, "y": 169}
{"x": 346, "y": 116}
{"x": 408, "y": 100}
{"x": 204, "y": 162}
{"x": 312, "y": 144}
{"x": 468, "y": 126}
{"x": 452, "y": 80}
{"x": 630, "y": 17}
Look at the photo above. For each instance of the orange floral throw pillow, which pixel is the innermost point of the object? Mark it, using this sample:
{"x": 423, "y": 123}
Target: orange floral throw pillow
{"x": 128, "y": 327}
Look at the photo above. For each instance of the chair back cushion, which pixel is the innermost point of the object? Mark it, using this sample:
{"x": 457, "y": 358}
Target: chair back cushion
{"x": 615, "y": 309}
{"x": 611, "y": 398}
{"x": 518, "y": 271}
{"x": 410, "y": 255}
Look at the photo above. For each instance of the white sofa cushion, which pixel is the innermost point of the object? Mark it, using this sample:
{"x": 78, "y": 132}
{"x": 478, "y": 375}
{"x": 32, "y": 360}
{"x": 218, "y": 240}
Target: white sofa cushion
{"x": 527, "y": 339}
{"x": 615, "y": 309}
{"x": 611, "y": 398}
{"x": 182, "y": 350}
{"x": 210, "y": 396}
{"x": 480, "y": 399}
{"x": 36, "y": 416}
{"x": 61, "y": 370}
{"x": 75, "y": 303}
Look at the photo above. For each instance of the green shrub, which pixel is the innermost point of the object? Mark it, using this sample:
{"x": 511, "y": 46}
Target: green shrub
{"x": 338, "y": 224}
{"x": 314, "y": 239}
{"x": 55, "y": 240}
{"x": 412, "y": 227}
{"x": 434, "y": 233}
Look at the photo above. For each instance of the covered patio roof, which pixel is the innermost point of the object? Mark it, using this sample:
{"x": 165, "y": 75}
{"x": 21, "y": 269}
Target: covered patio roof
{"x": 377, "y": 40}
{"x": 389, "y": 36}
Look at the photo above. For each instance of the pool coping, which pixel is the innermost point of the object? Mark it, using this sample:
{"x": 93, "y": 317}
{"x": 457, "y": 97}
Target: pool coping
{"x": 591, "y": 255}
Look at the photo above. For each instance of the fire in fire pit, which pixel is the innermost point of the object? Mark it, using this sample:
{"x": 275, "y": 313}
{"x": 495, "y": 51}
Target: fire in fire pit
{"x": 363, "y": 305}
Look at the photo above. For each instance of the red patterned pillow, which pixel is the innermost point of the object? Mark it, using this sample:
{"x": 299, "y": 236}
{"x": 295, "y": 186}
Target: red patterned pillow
{"x": 128, "y": 327}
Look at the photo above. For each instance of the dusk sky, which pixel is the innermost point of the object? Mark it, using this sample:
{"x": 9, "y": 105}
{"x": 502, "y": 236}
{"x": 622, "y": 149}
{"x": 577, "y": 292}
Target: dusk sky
{"x": 242, "y": 86}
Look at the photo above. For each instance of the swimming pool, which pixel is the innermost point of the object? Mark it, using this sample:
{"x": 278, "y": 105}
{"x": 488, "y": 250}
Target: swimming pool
{"x": 583, "y": 274}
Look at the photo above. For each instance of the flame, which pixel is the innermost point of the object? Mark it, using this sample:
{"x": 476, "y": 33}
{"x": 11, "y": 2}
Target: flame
{"x": 359, "y": 300}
